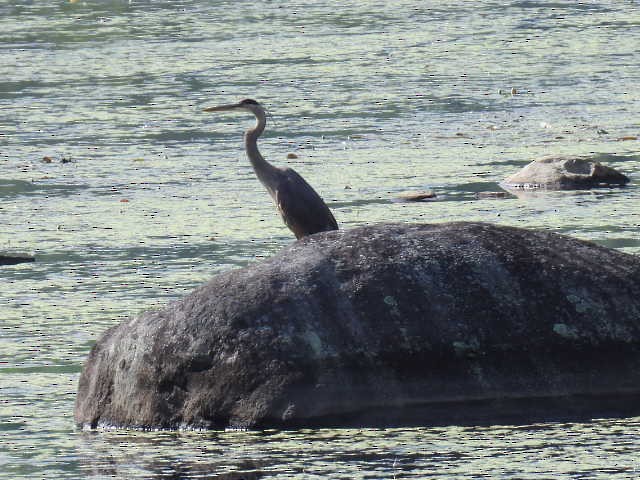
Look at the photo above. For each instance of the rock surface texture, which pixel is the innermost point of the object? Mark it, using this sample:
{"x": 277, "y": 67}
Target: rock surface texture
{"x": 378, "y": 325}
{"x": 565, "y": 172}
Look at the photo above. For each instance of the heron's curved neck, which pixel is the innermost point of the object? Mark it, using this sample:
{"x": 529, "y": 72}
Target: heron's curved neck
{"x": 264, "y": 170}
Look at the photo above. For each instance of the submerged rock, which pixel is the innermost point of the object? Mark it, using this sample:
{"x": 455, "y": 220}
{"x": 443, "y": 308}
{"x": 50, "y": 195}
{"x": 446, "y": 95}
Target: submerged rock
{"x": 416, "y": 196}
{"x": 15, "y": 259}
{"x": 381, "y": 325}
{"x": 565, "y": 172}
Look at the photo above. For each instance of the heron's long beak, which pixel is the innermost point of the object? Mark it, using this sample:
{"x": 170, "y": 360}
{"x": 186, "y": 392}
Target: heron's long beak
{"x": 223, "y": 108}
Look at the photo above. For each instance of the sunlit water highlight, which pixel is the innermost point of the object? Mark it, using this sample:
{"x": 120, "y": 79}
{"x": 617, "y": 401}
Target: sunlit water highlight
{"x": 374, "y": 98}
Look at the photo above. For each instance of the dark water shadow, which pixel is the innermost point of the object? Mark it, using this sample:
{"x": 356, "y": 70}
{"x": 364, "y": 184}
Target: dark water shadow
{"x": 14, "y": 188}
{"x": 97, "y": 261}
{"x": 462, "y": 192}
{"x": 502, "y": 162}
{"x": 471, "y": 191}
{"x": 618, "y": 243}
{"x": 614, "y": 158}
{"x": 182, "y": 251}
{"x": 387, "y": 199}
{"x": 599, "y": 192}
{"x": 605, "y": 158}
{"x": 16, "y": 259}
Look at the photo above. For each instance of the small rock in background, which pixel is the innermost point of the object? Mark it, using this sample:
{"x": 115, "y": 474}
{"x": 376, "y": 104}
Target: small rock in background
{"x": 417, "y": 196}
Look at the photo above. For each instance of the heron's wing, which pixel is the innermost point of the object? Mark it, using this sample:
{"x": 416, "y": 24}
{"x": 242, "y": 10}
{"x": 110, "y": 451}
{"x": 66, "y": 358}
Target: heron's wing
{"x": 302, "y": 209}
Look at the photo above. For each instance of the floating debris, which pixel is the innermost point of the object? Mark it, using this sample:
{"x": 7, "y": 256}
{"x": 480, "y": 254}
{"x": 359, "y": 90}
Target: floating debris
{"x": 628, "y": 137}
{"x": 46, "y": 159}
{"x": 418, "y": 196}
{"x": 481, "y": 195}
{"x": 456, "y": 136}
{"x": 291, "y": 156}
{"x": 514, "y": 91}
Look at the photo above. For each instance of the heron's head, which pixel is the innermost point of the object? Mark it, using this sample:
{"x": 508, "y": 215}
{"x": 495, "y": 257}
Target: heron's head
{"x": 247, "y": 104}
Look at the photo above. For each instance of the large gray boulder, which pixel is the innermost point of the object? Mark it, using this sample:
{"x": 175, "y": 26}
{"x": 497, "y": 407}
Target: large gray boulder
{"x": 565, "y": 172}
{"x": 380, "y": 325}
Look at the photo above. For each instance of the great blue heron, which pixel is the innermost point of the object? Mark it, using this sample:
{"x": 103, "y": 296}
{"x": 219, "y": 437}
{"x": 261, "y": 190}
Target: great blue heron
{"x": 302, "y": 209}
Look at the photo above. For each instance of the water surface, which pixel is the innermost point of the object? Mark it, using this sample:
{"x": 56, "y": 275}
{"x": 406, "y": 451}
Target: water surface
{"x": 144, "y": 196}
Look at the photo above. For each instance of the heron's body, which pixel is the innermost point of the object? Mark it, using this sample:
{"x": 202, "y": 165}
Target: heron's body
{"x": 302, "y": 209}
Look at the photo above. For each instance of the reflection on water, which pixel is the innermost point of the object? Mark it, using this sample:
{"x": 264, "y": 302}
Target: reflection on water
{"x": 375, "y": 99}
{"x": 552, "y": 450}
